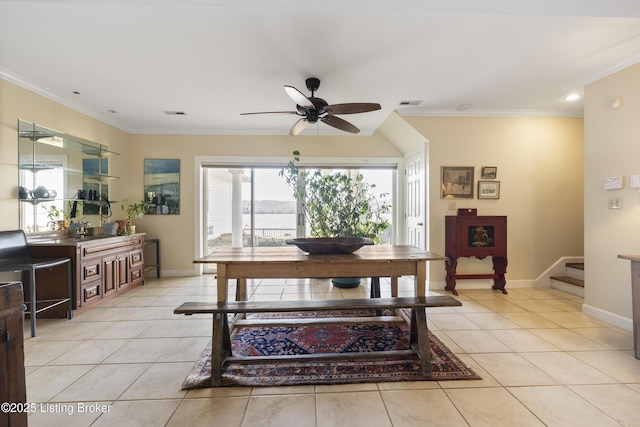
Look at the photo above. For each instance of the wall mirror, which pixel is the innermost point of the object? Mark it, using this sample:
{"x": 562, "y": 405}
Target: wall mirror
{"x": 162, "y": 186}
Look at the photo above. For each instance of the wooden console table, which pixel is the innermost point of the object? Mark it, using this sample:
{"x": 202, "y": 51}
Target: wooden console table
{"x": 635, "y": 299}
{"x": 479, "y": 237}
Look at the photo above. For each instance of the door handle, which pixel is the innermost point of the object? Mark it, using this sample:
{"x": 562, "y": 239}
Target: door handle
{"x": 420, "y": 224}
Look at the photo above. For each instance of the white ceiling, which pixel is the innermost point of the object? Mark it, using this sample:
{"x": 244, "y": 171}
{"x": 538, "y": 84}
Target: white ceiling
{"x": 214, "y": 59}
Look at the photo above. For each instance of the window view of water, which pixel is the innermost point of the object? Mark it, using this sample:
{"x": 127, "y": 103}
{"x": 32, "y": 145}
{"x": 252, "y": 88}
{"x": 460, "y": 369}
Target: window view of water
{"x": 265, "y": 220}
{"x": 273, "y": 205}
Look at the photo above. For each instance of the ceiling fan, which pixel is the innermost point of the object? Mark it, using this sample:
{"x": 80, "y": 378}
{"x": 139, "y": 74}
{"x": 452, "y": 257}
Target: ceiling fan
{"x": 313, "y": 109}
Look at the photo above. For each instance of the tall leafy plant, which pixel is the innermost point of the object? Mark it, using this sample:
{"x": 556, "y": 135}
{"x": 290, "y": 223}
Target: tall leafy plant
{"x": 337, "y": 204}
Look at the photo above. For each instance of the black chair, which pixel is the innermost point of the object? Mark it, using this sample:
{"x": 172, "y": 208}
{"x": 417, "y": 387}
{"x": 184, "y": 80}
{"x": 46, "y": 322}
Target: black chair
{"x": 14, "y": 256}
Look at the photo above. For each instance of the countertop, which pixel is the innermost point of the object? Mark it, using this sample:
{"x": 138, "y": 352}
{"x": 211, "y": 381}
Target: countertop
{"x": 52, "y": 239}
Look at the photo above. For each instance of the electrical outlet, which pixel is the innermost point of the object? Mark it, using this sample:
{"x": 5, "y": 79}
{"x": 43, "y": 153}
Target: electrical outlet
{"x": 452, "y": 206}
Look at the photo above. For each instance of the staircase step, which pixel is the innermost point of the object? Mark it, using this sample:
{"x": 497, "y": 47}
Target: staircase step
{"x": 571, "y": 280}
{"x": 576, "y": 265}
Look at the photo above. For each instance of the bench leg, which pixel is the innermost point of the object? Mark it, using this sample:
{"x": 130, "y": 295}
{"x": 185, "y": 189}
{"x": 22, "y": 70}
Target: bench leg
{"x": 220, "y": 347}
{"x": 419, "y": 338}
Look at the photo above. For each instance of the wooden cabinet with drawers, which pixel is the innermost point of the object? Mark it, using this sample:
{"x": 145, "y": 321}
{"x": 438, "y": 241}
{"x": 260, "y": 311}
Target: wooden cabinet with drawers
{"x": 104, "y": 267}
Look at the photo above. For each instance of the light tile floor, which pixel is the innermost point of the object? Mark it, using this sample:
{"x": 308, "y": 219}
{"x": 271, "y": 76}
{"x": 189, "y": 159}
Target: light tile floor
{"x": 541, "y": 360}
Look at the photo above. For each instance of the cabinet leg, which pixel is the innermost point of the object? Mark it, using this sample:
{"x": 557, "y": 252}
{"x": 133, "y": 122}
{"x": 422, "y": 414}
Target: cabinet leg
{"x": 450, "y": 266}
{"x": 500, "y": 268}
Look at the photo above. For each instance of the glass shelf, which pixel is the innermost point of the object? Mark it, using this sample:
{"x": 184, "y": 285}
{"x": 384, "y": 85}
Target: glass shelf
{"x": 66, "y": 165}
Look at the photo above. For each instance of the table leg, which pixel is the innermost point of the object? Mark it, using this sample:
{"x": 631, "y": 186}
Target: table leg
{"x": 375, "y": 287}
{"x": 222, "y": 283}
{"x": 241, "y": 289}
{"x": 420, "y": 279}
{"x": 394, "y": 286}
{"x": 635, "y": 305}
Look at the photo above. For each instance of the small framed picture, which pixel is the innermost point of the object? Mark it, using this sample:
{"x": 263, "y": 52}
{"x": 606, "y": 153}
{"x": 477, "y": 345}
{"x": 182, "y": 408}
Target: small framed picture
{"x": 488, "y": 189}
{"x": 489, "y": 172}
{"x": 457, "y": 182}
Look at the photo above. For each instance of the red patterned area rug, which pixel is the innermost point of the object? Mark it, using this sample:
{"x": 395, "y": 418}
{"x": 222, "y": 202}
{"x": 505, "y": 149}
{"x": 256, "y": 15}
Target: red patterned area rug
{"x": 318, "y": 339}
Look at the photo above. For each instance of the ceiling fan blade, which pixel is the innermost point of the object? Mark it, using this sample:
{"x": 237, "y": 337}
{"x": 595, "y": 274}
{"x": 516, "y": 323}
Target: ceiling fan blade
{"x": 341, "y": 124}
{"x": 270, "y": 112}
{"x": 353, "y": 107}
{"x": 298, "y": 97}
{"x": 298, "y": 127}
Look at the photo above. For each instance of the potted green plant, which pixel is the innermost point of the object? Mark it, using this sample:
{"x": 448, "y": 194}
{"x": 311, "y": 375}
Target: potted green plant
{"x": 337, "y": 204}
{"x": 58, "y": 218}
{"x": 132, "y": 210}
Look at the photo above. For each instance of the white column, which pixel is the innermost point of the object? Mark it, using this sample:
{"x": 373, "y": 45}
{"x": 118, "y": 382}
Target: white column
{"x": 236, "y": 207}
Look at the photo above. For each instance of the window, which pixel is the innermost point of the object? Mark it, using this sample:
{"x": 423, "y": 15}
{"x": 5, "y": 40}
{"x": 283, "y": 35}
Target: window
{"x": 253, "y": 205}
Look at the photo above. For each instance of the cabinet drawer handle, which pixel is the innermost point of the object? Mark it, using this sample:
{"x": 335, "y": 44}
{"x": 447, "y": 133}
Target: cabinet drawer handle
{"x": 90, "y": 293}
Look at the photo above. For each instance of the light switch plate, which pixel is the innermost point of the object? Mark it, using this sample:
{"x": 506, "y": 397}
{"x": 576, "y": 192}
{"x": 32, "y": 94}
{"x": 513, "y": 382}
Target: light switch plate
{"x": 613, "y": 182}
{"x": 615, "y": 202}
{"x": 634, "y": 181}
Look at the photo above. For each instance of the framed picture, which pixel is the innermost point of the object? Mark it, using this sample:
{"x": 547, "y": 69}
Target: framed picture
{"x": 162, "y": 186}
{"x": 457, "y": 182}
{"x": 488, "y": 189}
{"x": 489, "y": 172}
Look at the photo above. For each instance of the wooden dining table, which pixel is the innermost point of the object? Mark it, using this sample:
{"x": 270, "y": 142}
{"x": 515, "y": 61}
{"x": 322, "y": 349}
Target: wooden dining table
{"x": 285, "y": 262}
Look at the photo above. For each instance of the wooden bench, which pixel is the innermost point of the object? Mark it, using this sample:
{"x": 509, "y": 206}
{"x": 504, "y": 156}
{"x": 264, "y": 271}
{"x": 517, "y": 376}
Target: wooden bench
{"x": 221, "y": 340}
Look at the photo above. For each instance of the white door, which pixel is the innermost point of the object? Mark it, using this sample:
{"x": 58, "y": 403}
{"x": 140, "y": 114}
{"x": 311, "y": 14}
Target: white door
{"x": 415, "y": 198}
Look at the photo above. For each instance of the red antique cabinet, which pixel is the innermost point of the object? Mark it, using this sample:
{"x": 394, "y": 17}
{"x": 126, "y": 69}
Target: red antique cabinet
{"x": 479, "y": 237}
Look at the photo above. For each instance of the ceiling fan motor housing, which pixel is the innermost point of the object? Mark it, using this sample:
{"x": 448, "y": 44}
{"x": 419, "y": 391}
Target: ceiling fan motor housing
{"x": 312, "y": 84}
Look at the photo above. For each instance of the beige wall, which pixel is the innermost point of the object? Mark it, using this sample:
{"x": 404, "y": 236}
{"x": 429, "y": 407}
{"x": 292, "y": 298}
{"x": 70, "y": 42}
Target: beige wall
{"x": 18, "y": 103}
{"x": 539, "y": 163}
{"x": 612, "y": 148}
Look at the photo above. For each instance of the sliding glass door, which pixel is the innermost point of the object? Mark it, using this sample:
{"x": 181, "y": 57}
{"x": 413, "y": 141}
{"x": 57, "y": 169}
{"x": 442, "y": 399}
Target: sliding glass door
{"x": 253, "y": 205}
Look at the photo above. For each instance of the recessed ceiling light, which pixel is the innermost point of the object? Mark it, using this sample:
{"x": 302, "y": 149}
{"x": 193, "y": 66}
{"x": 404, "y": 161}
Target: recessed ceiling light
{"x": 572, "y": 97}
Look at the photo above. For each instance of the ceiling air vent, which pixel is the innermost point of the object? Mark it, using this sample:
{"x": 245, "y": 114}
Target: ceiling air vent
{"x": 408, "y": 103}
{"x": 175, "y": 113}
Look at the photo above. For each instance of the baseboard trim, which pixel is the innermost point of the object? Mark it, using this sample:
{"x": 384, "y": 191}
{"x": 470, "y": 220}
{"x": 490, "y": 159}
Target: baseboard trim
{"x": 483, "y": 284}
{"x": 176, "y": 273}
{"x": 607, "y": 316}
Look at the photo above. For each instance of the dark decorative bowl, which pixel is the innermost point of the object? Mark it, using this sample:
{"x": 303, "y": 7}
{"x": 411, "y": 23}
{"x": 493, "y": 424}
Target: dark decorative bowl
{"x": 330, "y": 245}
